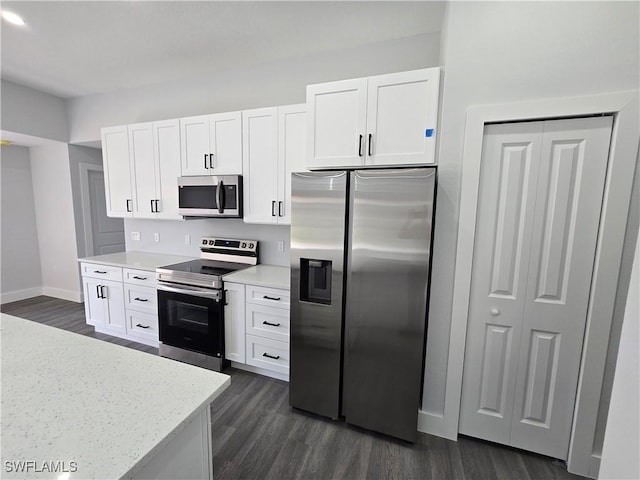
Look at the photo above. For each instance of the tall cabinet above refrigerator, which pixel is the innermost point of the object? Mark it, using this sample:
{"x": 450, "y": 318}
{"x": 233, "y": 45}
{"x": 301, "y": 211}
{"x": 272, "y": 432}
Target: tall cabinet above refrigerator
{"x": 360, "y": 266}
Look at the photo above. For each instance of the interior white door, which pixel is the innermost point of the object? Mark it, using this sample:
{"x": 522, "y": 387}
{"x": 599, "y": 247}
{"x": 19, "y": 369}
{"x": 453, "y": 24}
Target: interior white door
{"x": 402, "y": 113}
{"x": 536, "y": 236}
{"x": 107, "y": 233}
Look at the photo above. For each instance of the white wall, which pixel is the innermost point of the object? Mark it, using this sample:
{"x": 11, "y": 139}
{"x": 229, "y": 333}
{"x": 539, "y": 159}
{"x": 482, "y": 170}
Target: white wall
{"x": 501, "y": 52}
{"x": 263, "y": 85}
{"x": 79, "y": 155}
{"x": 21, "y": 276}
{"x": 172, "y": 235}
{"x": 31, "y": 112}
{"x": 622, "y": 437}
{"x": 55, "y": 222}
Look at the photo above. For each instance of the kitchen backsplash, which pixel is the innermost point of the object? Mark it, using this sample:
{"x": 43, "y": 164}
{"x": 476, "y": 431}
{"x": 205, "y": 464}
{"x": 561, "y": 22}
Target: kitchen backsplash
{"x": 171, "y": 236}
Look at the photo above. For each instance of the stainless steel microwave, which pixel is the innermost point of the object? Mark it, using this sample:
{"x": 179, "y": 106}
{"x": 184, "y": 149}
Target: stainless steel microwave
{"x": 210, "y": 196}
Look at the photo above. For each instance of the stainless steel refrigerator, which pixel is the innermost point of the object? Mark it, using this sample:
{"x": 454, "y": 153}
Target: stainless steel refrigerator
{"x": 360, "y": 266}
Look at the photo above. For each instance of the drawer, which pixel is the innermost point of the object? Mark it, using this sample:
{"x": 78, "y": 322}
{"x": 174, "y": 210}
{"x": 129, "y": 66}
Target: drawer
{"x": 267, "y": 322}
{"x": 139, "y": 277}
{"x": 268, "y": 354}
{"x": 141, "y": 299}
{"x": 269, "y": 297}
{"x": 142, "y": 325}
{"x": 106, "y": 272}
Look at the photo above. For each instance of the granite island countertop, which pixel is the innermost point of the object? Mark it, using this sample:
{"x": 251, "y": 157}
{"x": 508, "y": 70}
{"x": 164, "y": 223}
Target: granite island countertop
{"x": 272, "y": 276}
{"x": 108, "y": 408}
{"x": 139, "y": 260}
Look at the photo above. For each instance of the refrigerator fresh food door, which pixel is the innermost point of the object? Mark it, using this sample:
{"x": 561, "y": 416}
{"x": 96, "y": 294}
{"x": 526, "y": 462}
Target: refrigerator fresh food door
{"x": 318, "y": 215}
{"x": 387, "y": 288}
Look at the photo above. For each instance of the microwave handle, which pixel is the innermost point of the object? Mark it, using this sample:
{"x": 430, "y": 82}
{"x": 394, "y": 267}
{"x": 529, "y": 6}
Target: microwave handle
{"x": 220, "y": 193}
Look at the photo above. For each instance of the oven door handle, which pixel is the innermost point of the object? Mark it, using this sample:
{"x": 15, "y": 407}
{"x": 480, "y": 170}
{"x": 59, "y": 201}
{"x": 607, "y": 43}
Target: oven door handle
{"x": 195, "y": 291}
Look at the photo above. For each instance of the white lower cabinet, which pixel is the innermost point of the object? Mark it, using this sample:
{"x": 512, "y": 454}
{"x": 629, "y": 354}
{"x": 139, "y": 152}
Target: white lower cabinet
{"x": 121, "y": 302}
{"x": 257, "y": 329}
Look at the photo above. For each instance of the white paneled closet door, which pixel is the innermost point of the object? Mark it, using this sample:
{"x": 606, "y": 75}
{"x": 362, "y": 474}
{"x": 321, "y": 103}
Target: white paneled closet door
{"x": 539, "y": 208}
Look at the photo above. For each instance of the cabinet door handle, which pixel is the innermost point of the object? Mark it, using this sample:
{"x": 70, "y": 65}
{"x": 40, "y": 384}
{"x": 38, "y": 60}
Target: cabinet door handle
{"x": 139, "y": 278}
{"x": 102, "y": 291}
{"x": 98, "y": 291}
{"x": 211, "y": 161}
{"x": 273, "y": 208}
{"x": 157, "y": 206}
{"x": 128, "y": 206}
{"x": 280, "y": 209}
{"x": 360, "y": 146}
{"x": 141, "y": 326}
{"x": 370, "y": 149}
{"x": 277, "y": 299}
{"x": 270, "y": 324}
{"x": 152, "y": 210}
{"x": 220, "y": 195}
{"x": 141, "y": 299}
{"x": 205, "y": 161}
{"x": 271, "y": 356}
{"x": 99, "y": 271}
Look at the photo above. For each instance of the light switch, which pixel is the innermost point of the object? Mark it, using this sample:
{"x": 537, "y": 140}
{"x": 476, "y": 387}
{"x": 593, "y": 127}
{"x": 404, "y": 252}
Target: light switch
{"x": 156, "y": 237}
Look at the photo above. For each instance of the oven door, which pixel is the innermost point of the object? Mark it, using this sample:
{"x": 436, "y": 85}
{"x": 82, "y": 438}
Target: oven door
{"x": 191, "y": 318}
{"x": 210, "y": 196}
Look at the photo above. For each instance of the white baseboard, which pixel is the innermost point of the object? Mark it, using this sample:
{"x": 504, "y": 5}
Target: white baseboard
{"x": 17, "y": 295}
{"x": 71, "y": 295}
{"x": 434, "y": 424}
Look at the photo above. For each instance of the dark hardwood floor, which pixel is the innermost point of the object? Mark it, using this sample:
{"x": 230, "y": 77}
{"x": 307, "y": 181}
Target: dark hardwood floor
{"x": 256, "y": 435}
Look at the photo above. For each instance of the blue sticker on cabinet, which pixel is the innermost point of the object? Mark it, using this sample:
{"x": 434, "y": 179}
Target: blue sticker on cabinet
{"x": 428, "y": 132}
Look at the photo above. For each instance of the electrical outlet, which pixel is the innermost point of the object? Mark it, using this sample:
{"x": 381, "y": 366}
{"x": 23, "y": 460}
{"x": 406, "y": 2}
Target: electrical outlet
{"x": 156, "y": 237}
{"x": 187, "y": 239}
{"x": 135, "y": 235}
{"x": 281, "y": 246}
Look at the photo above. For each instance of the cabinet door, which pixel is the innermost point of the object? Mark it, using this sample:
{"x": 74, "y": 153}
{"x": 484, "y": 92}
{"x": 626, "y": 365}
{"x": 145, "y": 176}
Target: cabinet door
{"x": 194, "y": 134}
{"x": 117, "y": 174}
{"x": 337, "y": 121}
{"x": 292, "y": 133}
{"x": 260, "y": 165}
{"x": 225, "y": 133}
{"x": 234, "y": 324}
{"x": 402, "y": 113}
{"x": 114, "y": 305}
{"x": 166, "y": 144}
{"x": 94, "y": 310}
{"x": 143, "y": 166}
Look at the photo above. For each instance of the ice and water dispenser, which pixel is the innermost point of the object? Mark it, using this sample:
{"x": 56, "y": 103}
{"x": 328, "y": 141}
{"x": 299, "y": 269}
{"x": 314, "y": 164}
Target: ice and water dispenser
{"x": 315, "y": 281}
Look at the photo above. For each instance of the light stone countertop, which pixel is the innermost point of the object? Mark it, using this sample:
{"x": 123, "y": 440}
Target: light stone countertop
{"x": 272, "y": 276}
{"x": 140, "y": 260}
{"x": 71, "y": 398}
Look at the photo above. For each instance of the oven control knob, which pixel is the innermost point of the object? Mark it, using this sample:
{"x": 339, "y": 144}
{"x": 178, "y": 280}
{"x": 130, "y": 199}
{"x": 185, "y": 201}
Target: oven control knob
{"x": 210, "y": 242}
{"x": 251, "y": 245}
{"x": 204, "y": 242}
{"x": 244, "y": 245}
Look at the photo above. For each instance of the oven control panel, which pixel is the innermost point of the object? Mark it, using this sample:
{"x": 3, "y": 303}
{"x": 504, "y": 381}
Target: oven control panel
{"x": 227, "y": 245}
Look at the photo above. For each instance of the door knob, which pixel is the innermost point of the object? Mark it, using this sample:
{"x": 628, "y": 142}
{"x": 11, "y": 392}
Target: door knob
{"x": 495, "y": 312}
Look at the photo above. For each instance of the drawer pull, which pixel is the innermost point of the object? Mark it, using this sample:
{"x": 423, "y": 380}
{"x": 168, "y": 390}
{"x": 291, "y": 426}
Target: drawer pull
{"x": 99, "y": 271}
{"x": 270, "y": 324}
{"x": 277, "y": 299}
{"x": 271, "y": 356}
{"x": 139, "y": 278}
{"x": 141, "y": 299}
{"x": 141, "y": 326}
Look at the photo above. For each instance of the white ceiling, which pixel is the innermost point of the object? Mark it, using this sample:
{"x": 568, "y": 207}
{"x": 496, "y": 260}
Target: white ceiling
{"x": 76, "y": 48}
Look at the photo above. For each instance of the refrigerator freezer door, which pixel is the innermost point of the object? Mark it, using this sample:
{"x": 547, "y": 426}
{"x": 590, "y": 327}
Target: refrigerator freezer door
{"x": 387, "y": 286}
{"x": 318, "y": 215}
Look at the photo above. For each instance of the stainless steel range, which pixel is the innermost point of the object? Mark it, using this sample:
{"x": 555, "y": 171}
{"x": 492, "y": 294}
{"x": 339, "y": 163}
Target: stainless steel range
{"x": 191, "y": 301}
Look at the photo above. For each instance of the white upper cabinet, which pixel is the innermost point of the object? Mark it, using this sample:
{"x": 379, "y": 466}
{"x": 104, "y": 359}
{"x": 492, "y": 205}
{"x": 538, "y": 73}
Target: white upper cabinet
{"x": 212, "y": 144}
{"x": 338, "y": 116}
{"x": 142, "y": 164}
{"x": 375, "y": 121}
{"x": 274, "y": 146}
{"x": 117, "y": 174}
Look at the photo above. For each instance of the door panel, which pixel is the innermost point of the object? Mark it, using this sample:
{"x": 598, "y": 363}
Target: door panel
{"x": 225, "y": 130}
{"x": 107, "y": 233}
{"x": 292, "y": 123}
{"x": 503, "y": 234}
{"x": 194, "y": 134}
{"x": 117, "y": 172}
{"x": 144, "y": 180}
{"x": 565, "y": 232}
{"x": 166, "y": 144}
